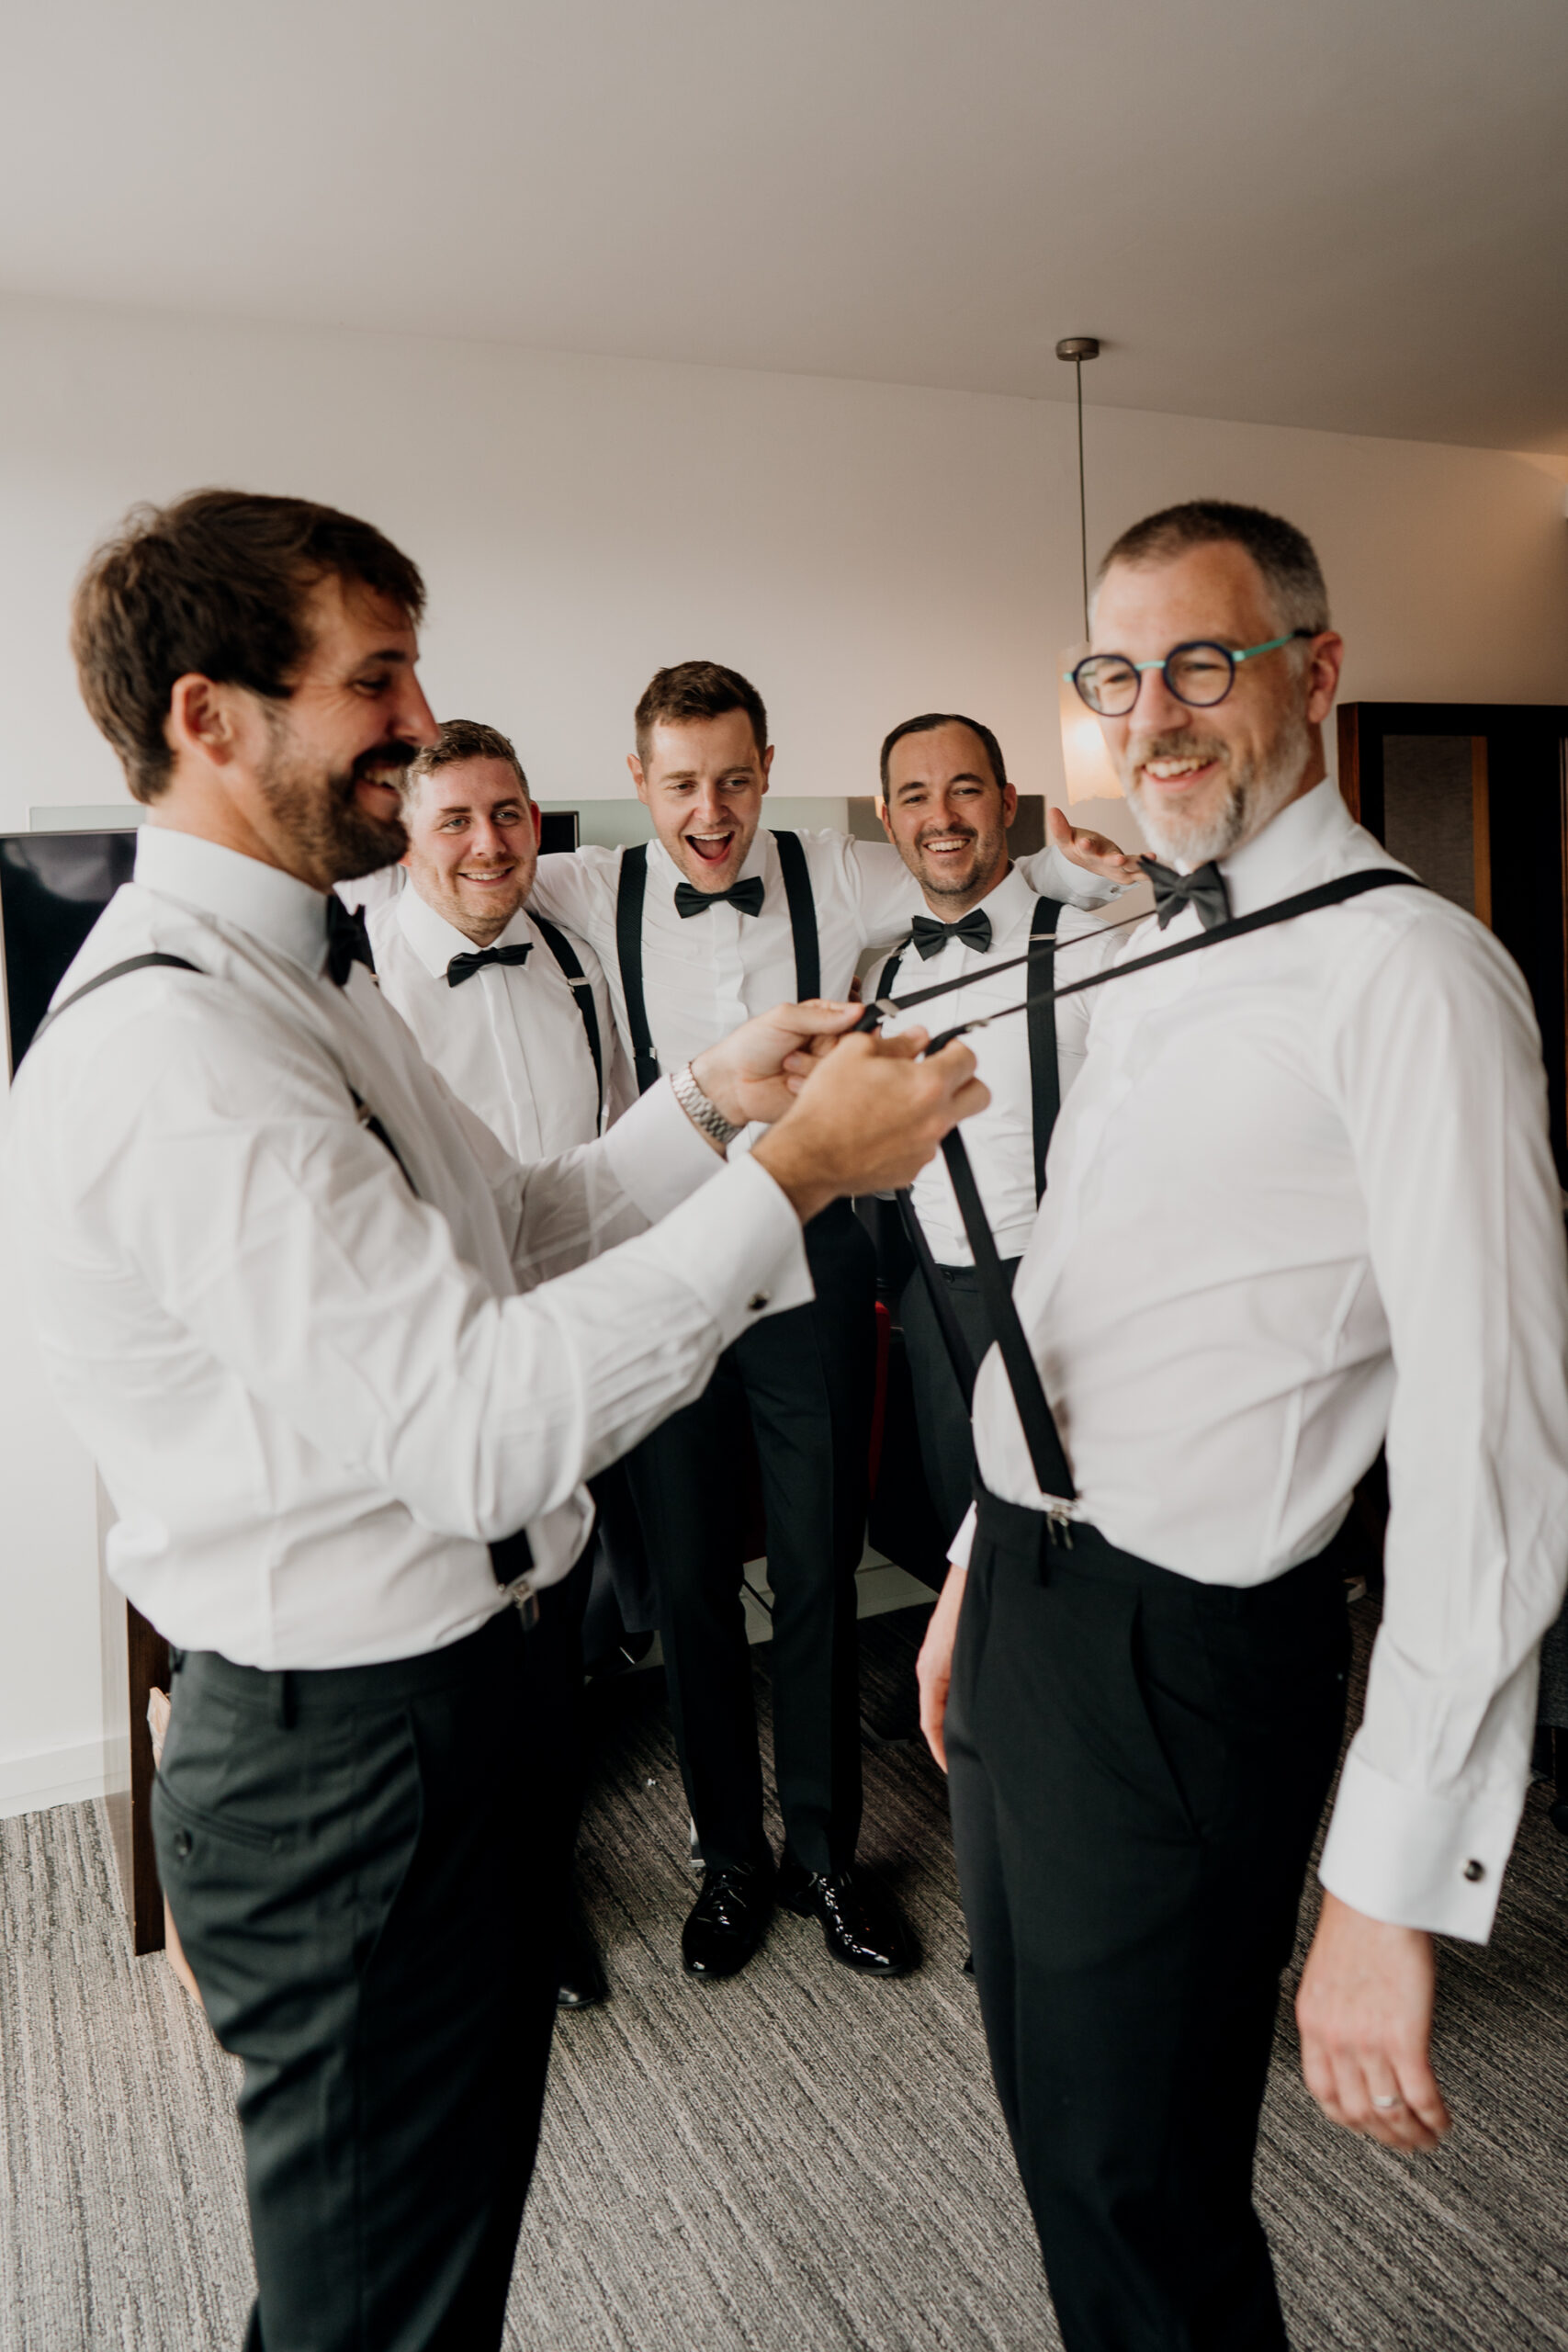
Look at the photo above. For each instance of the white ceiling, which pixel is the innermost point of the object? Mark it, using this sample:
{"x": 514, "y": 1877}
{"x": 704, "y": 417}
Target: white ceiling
{"x": 1350, "y": 213}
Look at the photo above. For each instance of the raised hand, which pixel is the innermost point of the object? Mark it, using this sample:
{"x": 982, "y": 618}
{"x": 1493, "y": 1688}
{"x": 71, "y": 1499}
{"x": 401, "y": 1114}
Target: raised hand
{"x": 1091, "y": 851}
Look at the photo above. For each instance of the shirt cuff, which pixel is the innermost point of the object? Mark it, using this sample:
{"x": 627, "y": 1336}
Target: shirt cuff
{"x": 657, "y": 1157}
{"x": 1055, "y": 876}
{"x": 1415, "y": 1859}
{"x": 962, "y": 1543}
{"x": 740, "y": 1248}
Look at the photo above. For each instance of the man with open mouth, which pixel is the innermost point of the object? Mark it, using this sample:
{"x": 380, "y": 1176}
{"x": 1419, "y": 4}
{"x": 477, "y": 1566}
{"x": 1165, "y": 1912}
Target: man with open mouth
{"x": 709, "y": 919}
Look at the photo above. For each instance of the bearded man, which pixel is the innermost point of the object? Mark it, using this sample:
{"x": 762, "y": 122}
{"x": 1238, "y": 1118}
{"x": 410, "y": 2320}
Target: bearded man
{"x": 1300, "y": 1202}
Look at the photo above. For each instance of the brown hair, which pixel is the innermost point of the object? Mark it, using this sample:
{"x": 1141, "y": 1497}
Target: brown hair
{"x": 927, "y": 724}
{"x": 1285, "y": 555}
{"x": 217, "y": 582}
{"x": 463, "y": 739}
{"x": 698, "y": 690}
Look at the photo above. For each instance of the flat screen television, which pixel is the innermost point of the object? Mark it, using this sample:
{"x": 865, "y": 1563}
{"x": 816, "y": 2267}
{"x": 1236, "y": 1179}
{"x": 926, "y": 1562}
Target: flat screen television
{"x": 53, "y": 887}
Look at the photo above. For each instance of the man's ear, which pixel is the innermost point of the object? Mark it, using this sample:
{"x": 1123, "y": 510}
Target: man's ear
{"x": 1009, "y": 805}
{"x": 538, "y": 822}
{"x": 203, "y": 721}
{"x": 881, "y": 807}
{"x": 1325, "y": 663}
{"x": 767, "y": 763}
{"x": 634, "y": 765}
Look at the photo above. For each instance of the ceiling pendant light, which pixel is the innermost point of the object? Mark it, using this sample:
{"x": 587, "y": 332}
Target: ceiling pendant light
{"x": 1091, "y": 775}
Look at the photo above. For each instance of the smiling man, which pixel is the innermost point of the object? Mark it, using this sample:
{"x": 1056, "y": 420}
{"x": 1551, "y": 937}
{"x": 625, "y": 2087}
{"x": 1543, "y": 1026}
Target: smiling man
{"x": 1301, "y": 1200}
{"x": 947, "y": 806}
{"x": 714, "y": 916}
{"x": 344, "y": 1367}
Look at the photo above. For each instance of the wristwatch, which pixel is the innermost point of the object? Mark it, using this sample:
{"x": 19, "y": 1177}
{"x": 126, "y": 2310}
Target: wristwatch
{"x": 700, "y": 1110}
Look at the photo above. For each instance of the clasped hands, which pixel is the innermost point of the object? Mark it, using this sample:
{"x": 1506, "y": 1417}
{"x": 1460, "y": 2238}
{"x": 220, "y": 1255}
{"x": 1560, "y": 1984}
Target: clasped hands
{"x": 846, "y": 1113}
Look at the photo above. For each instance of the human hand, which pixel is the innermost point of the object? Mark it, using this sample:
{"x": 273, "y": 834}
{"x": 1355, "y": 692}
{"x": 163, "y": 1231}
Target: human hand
{"x": 869, "y": 1117}
{"x": 1365, "y": 2013}
{"x": 1091, "y": 851}
{"x": 757, "y": 1071}
{"x": 934, "y": 1668}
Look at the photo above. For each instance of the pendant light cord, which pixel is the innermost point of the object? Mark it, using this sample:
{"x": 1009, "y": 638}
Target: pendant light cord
{"x": 1083, "y": 501}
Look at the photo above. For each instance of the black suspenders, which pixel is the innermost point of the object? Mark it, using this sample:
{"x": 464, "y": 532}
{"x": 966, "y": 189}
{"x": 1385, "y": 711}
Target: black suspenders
{"x": 630, "y": 892}
{"x": 582, "y": 987}
{"x": 1045, "y": 1099}
{"x": 1047, "y": 1459}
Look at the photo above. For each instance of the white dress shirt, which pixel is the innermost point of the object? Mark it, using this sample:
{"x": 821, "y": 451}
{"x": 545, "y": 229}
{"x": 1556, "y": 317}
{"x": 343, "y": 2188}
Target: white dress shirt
{"x": 1290, "y": 1165}
{"x": 704, "y": 974}
{"x": 314, "y": 1397}
{"x": 509, "y": 1040}
{"x": 999, "y": 1139}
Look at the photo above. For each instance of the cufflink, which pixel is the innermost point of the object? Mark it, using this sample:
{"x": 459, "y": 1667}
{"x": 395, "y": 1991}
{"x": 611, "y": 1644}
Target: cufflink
{"x": 1474, "y": 1872}
{"x": 758, "y": 1300}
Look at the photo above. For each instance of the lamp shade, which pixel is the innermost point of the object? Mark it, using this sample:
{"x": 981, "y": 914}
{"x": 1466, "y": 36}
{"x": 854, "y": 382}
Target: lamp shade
{"x": 1091, "y": 775}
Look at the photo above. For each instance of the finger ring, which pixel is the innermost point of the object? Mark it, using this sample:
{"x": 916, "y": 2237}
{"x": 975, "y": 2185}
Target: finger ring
{"x": 1386, "y": 2103}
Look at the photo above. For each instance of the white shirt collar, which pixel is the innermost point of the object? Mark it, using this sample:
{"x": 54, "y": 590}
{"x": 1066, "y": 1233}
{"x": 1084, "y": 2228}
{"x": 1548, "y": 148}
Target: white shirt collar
{"x": 276, "y": 907}
{"x": 435, "y": 940}
{"x": 1279, "y": 859}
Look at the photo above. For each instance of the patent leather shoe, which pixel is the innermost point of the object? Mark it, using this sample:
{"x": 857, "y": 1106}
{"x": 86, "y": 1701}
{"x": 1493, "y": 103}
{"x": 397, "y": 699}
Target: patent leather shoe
{"x": 860, "y": 1923}
{"x": 727, "y": 1920}
{"x": 580, "y": 1982}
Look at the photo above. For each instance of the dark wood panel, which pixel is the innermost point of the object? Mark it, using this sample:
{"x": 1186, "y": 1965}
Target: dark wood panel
{"x": 147, "y": 1669}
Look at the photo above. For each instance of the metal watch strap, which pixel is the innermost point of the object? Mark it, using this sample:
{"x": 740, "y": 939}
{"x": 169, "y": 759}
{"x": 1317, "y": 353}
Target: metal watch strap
{"x": 700, "y": 1110}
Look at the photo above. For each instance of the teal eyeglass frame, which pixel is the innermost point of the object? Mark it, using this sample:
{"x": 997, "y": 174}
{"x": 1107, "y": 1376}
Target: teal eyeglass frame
{"x": 1189, "y": 645}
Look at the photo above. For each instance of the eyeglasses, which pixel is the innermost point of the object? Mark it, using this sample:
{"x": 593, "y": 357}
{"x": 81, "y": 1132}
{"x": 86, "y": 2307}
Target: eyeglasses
{"x": 1197, "y": 673}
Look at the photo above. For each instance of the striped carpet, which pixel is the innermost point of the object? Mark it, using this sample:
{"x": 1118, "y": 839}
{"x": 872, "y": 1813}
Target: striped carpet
{"x": 798, "y": 2159}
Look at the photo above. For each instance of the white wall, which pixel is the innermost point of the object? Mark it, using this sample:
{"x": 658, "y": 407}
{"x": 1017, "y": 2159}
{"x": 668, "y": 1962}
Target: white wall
{"x": 862, "y": 550}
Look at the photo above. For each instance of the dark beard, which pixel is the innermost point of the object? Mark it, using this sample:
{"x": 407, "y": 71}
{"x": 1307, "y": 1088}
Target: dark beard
{"x": 332, "y": 834}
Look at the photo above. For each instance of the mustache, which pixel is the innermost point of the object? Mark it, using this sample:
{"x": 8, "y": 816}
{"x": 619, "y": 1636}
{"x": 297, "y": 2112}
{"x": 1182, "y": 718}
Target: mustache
{"x": 946, "y": 833}
{"x": 1181, "y": 743}
{"x": 383, "y": 755}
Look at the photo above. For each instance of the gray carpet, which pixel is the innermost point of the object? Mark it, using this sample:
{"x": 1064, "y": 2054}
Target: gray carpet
{"x": 798, "y": 2159}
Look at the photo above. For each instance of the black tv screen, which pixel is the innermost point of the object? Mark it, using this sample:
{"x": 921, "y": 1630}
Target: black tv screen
{"x": 53, "y": 887}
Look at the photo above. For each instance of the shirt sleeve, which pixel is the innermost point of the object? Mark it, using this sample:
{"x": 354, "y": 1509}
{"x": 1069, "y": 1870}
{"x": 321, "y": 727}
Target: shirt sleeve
{"x": 1439, "y": 1077}
{"x": 1051, "y": 876}
{"x": 577, "y": 888}
{"x": 264, "y": 1223}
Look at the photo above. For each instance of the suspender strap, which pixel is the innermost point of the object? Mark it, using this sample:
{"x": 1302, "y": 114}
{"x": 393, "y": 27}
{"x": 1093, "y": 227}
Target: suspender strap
{"x": 1049, "y": 1462}
{"x": 630, "y": 892}
{"x": 1046, "y": 1457}
{"x": 802, "y": 915}
{"x": 578, "y": 982}
{"x": 115, "y": 972}
{"x": 1045, "y": 1085}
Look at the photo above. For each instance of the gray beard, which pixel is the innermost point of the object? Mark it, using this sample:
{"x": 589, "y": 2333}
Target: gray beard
{"x": 1253, "y": 798}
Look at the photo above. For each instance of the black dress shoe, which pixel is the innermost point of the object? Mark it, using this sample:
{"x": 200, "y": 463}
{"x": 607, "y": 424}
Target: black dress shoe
{"x": 727, "y": 1920}
{"x": 860, "y": 1923}
{"x": 580, "y": 1982}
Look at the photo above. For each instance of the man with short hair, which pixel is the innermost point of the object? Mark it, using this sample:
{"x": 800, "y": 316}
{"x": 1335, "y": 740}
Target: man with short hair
{"x": 711, "y": 917}
{"x": 515, "y": 1016}
{"x": 509, "y": 1008}
{"x": 344, "y": 1371}
{"x": 1301, "y": 1199}
{"x": 947, "y": 806}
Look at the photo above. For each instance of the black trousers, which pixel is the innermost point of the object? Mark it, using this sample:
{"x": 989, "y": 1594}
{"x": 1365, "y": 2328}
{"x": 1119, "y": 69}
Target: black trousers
{"x": 364, "y": 1866}
{"x": 802, "y": 1383}
{"x": 1138, "y": 1764}
{"x": 942, "y": 1409}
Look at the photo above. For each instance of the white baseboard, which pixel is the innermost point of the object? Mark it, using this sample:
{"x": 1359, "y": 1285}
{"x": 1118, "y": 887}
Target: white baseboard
{"x": 55, "y": 1776}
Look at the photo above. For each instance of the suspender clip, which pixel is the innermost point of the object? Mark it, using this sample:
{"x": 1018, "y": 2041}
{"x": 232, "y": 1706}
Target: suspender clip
{"x": 1059, "y": 1521}
{"x": 524, "y": 1596}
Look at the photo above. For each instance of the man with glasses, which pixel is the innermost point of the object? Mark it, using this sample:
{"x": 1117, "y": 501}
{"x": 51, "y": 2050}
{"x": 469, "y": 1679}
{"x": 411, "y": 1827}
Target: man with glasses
{"x": 1301, "y": 1202}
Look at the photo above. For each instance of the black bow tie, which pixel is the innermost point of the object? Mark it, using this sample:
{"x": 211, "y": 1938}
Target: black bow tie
{"x": 463, "y": 968}
{"x": 747, "y": 896}
{"x": 1203, "y": 888}
{"x": 348, "y": 941}
{"x": 930, "y": 937}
